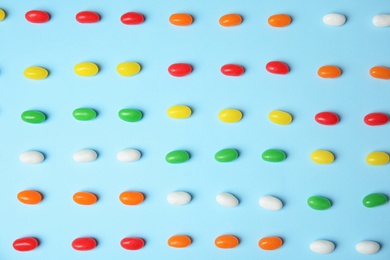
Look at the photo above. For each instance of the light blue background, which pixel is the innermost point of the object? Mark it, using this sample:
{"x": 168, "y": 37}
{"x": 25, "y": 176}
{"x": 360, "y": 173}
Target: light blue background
{"x": 305, "y": 45}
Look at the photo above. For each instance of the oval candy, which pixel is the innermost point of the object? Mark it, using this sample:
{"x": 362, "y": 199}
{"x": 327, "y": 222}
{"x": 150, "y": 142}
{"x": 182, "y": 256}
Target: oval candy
{"x": 178, "y": 156}
{"x": 86, "y": 69}
{"x": 30, "y": 197}
{"x": 230, "y": 115}
{"x": 380, "y": 72}
{"x": 226, "y": 155}
{"x": 84, "y": 243}
{"x": 132, "y": 243}
{"x": 33, "y": 116}
{"x": 377, "y": 158}
{"x": 2, "y": 14}
{"x": 35, "y": 73}
{"x": 180, "y": 69}
{"x": 329, "y": 72}
{"x": 270, "y": 243}
{"x": 37, "y": 16}
{"x": 319, "y": 203}
{"x": 87, "y": 17}
{"x": 179, "y": 112}
{"x": 322, "y": 157}
{"x": 179, "y": 241}
{"x": 374, "y": 200}
{"x": 228, "y": 20}
{"x": 181, "y": 19}
{"x": 280, "y": 117}
{"x": 84, "y": 198}
{"x": 322, "y": 246}
{"x": 368, "y": 247}
{"x": 270, "y": 203}
{"x": 128, "y": 69}
{"x": 274, "y": 155}
{"x": 179, "y": 198}
{"x": 374, "y": 119}
{"x": 31, "y": 157}
{"x": 128, "y": 155}
{"x": 279, "y": 20}
{"x": 84, "y": 114}
{"x": 227, "y": 200}
{"x": 226, "y": 241}
{"x": 131, "y": 198}
{"x": 86, "y": 155}
{"x": 326, "y": 118}
{"x": 233, "y": 70}
{"x": 334, "y": 19}
{"x": 25, "y": 244}
{"x": 381, "y": 20}
{"x": 132, "y": 18}
{"x": 277, "y": 67}
{"x": 130, "y": 115}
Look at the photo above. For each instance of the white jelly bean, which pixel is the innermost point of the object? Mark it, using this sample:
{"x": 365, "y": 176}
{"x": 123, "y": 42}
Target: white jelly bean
{"x": 85, "y": 156}
{"x": 179, "y": 198}
{"x": 31, "y": 157}
{"x": 129, "y": 155}
{"x": 334, "y": 19}
{"x": 367, "y": 247}
{"x": 227, "y": 199}
{"x": 270, "y": 203}
{"x": 381, "y": 20}
{"x": 322, "y": 246}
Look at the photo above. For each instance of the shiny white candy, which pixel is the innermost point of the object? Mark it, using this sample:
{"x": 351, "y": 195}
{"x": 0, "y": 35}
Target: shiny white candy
{"x": 129, "y": 155}
{"x": 31, "y": 157}
{"x": 178, "y": 198}
{"x": 322, "y": 247}
{"x": 381, "y": 20}
{"x": 270, "y": 203}
{"x": 367, "y": 247}
{"x": 85, "y": 156}
{"x": 334, "y": 19}
{"x": 227, "y": 199}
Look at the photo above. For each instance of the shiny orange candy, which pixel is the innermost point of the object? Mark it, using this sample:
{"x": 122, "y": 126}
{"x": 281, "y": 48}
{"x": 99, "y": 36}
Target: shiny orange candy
{"x": 181, "y": 19}
{"x": 270, "y": 243}
{"x": 279, "y": 20}
{"x": 30, "y": 197}
{"x": 380, "y": 72}
{"x": 226, "y": 241}
{"x": 179, "y": 241}
{"x": 84, "y": 198}
{"x": 230, "y": 20}
{"x": 329, "y": 72}
{"x": 131, "y": 198}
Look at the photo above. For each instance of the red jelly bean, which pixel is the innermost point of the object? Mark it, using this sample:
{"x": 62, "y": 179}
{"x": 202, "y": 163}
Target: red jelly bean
{"x": 180, "y": 69}
{"x": 232, "y": 70}
{"x": 25, "y": 244}
{"x": 84, "y": 243}
{"x": 277, "y": 67}
{"x": 132, "y": 18}
{"x": 327, "y": 118}
{"x": 374, "y": 119}
{"x": 87, "y": 17}
{"x": 132, "y": 243}
{"x": 36, "y": 16}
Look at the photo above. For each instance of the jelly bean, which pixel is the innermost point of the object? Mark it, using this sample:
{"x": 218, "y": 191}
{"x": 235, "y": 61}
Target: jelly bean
{"x": 30, "y": 197}
{"x": 270, "y": 243}
{"x": 33, "y": 117}
{"x": 279, "y": 20}
{"x": 180, "y": 69}
{"x": 270, "y": 203}
{"x": 329, "y": 72}
{"x": 84, "y": 198}
{"x": 277, "y": 67}
{"x": 128, "y": 68}
{"x": 228, "y": 20}
{"x": 226, "y": 241}
{"x": 374, "y": 200}
{"x": 25, "y": 244}
{"x": 227, "y": 200}
{"x": 132, "y": 18}
{"x": 31, "y": 157}
{"x": 381, "y": 20}
{"x": 226, "y": 155}
{"x": 84, "y": 243}
{"x": 178, "y": 198}
{"x": 380, "y": 72}
{"x": 131, "y": 198}
{"x": 130, "y": 115}
{"x": 377, "y": 158}
{"x": 179, "y": 112}
{"x": 230, "y": 115}
{"x": 334, "y": 19}
{"x": 319, "y": 203}
{"x": 179, "y": 241}
{"x": 84, "y": 114}
{"x": 322, "y": 157}
{"x": 322, "y": 247}
{"x": 178, "y": 156}
{"x": 280, "y": 117}
{"x": 36, "y": 16}
{"x": 86, "y": 69}
{"x": 368, "y": 247}
{"x": 87, "y": 17}
{"x": 374, "y": 119}
{"x": 35, "y": 73}
{"x": 326, "y": 118}
{"x": 85, "y": 156}
{"x": 2, "y": 14}
{"x": 273, "y": 155}
{"x": 180, "y": 19}
{"x": 128, "y": 155}
{"x": 233, "y": 70}
{"x": 132, "y": 243}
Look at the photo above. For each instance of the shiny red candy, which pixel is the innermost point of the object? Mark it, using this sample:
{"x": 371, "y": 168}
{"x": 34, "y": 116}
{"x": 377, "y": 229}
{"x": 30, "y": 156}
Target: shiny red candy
{"x": 84, "y": 243}
{"x": 36, "y": 16}
{"x": 180, "y": 69}
{"x": 374, "y": 119}
{"x": 232, "y": 70}
{"x": 25, "y": 244}
{"x": 132, "y": 243}
{"x": 327, "y": 118}
{"x": 277, "y": 67}
{"x": 87, "y": 17}
{"x": 132, "y": 18}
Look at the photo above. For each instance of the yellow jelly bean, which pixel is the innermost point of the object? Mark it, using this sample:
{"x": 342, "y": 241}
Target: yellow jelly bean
{"x": 2, "y": 15}
{"x": 377, "y": 158}
{"x": 230, "y": 115}
{"x": 128, "y": 68}
{"x": 280, "y": 117}
{"x": 86, "y": 69}
{"x": 322, "y": 157}
{"x": 179, "y": 112}
{"x": 35, "y": 72}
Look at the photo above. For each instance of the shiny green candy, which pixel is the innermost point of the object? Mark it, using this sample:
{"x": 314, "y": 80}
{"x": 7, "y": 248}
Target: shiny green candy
{"x": 226, "y": 155}
{"x": 273, "y": 155}
{"x": 319, "y": 203}
{"x": 33, "y": 117}
{"x": 374, "y": 200}
{"x": 178, "y": 156}
{"x": 130, "y": 115}
{"x": 84, "y": 114}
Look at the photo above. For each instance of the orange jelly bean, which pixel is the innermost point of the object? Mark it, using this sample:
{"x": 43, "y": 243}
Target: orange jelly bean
{"x": 180, "y": 19}
{"x": 84, "y": 198}
{"x": 226, "y": 241}
{"x": 279, "y": 20}
{"x": 380, "y": 72}
{"x": 179, "y": 241}
{"x": 230, "y": 20}
{"x": 270, "y": 243}
{"x": 31, "y": 197}
{"x": 131, "y": 198}
{"x": 329, "y": 72}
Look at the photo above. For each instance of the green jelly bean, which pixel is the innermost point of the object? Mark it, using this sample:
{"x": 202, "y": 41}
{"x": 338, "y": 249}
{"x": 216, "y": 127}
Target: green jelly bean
{"x": 273, "y": 155}
{"x": 33, "y": 116}
{"x": 226, "y": 155}
{"x": 178, "y": 156}
{"x": 319, "y": 203}
{"x": 130, "y": 115}
{"x": 374, "y": 200}
{"x": 84, "y": 114}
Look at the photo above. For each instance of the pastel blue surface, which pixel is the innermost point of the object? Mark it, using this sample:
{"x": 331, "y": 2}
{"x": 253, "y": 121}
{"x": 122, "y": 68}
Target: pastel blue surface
{"x": 305, "y": 45}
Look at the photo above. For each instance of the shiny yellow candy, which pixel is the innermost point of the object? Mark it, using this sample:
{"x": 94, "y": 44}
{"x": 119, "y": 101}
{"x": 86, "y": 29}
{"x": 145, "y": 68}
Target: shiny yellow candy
{"x": 2, "y": 15}
{"x": 377, "y": 158}
{"x": 230, "y": 115}
{"x": 179, "y": 112}
{"x": 86, "y": 69}
{"x": 128, "y": 68}
{"x": 35, "y": 73}
{"x": 280, "y": 117}
{"x": 322, "y": 157}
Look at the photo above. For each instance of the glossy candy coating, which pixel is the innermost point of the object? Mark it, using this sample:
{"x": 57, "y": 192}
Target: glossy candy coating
{"x": 131, "y": 198}
{"x": 30, "y": 197}
{"x": 180, "y": 69}
{"x": 84, "y": 243}
{"x": 84, "y": 114}
{"x": 179, "y": 241}
{"x": 128, "y": 155}
{"x": 279, "y": 20}
{"x": 326, "y": 118}
{"x": 230, "y": 115}
{"x": 233, "y": 70}
{"x": 377, "y": 158}
{"x": 86, "y": 155}
{"x": 280, "y": 117}
{"x": 35, "y": 73}
{"x": 25, "y": 244}
{"x": 270, "y": 203}
{"x": 86, "y": 69}
{"x": 31, "y": 157}
{"x": 381, "y": 20}
{"x": 226, "y": 155}
{"x": 179, "y": 198}
{"x": 226, "y": 242}
{"x": 37, "y": 16}
{"x": 128, "y": 69}
{"x": 132, "y": 18}
{"x": 277, "y": 67}
{"x": 319, "y": 203}
{"x": 2, "y": 15}
{"x": 178, "y": 156}
{"x": 334, "y": 19}
{"x": 181, "y": 19}
{"x": 380, "y": 72}
{"x": 322, "y": 157}
{"x": 270, "y": 243}
{"x": 375, "y": 119}
{"x": 329, "y": 72}
{"x": 274, "y": 155}
{"x": 228, "y": 20}
{"x": 368, "y": 247}
{"x": 227, "y": 200}
{"x": 132, "y": 243}
{"x": 322, "y": 246}
{"x": 130, "y": 115}
{"x": 87, "y": 17}
{"x": 374, "y": 200}
{"x": 33, "y": 117}
{"x": 84, "y": 198}
{"x": 179, "y": 112}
